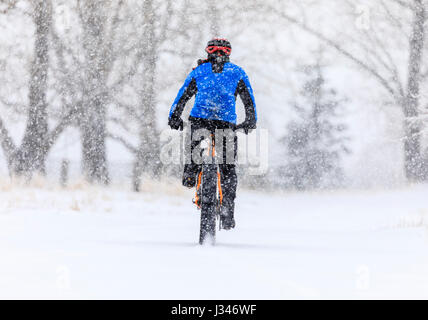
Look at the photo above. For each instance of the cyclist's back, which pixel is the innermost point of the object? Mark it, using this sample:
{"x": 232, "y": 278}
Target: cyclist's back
{"x": 215, "y": 91}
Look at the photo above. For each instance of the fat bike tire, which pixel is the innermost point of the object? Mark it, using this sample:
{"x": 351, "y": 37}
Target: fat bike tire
{"x": 208, "y": 205}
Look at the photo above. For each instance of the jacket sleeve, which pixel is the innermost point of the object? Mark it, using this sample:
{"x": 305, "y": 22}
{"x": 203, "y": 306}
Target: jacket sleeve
{"x": 246, "y": 93}
{"x": 187, "y": 91}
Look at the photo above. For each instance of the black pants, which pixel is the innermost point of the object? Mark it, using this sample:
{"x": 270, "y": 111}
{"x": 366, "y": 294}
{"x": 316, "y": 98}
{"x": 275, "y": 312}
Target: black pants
{"x": 228, "y": 178}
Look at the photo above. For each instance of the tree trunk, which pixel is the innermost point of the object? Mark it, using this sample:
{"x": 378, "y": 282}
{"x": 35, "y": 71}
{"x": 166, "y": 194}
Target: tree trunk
{"x": 414, "y": 167}
{"x": 93, "y": 133}
{"x": 31, "y": 155}
{"x": 147, "y": 157}
{"x": 214, "y": 17}
{"x": 93, "y": 115}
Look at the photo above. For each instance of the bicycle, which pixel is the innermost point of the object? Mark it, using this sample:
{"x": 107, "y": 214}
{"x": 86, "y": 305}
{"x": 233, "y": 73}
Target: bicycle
{"x": 209, "y": 194}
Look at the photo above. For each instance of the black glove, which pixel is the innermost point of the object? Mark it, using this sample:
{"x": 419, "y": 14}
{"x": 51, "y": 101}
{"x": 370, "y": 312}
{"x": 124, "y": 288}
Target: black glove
{"x": 176, "y": 123}
{"x": 248, "y": 125}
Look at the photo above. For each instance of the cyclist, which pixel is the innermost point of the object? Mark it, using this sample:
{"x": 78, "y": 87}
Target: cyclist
{"x": 216, "y": 82}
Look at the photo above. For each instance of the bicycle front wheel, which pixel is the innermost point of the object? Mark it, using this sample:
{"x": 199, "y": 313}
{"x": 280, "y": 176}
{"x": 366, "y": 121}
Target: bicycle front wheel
{"x": 208, "y": 204}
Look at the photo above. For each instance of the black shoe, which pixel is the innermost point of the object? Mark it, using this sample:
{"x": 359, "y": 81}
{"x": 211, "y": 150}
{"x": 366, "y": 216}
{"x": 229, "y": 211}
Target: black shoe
{"x": 227, "y": 223}
{"x": 189, "y": 182}
{"x": 189, "y": 176}
{"x": 227, "y": 220}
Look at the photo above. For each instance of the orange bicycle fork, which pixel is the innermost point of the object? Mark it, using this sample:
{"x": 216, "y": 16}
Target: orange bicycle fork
{"x": 198, "y": 185}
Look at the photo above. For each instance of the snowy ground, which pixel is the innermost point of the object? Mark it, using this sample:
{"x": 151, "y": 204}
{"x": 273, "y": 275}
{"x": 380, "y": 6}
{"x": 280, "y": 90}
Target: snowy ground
{"x": 89, "y": 242}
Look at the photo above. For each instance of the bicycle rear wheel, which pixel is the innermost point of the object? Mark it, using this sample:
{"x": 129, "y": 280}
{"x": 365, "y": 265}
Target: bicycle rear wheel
{"x": 208, "y": 204}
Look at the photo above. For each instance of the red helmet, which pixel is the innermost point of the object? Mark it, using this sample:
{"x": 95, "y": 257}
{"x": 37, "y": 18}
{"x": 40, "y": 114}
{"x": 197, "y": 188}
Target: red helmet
{"x": 218, "y": 44}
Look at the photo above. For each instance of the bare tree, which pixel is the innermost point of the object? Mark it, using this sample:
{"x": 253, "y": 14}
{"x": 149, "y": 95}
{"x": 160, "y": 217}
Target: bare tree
{"x": 83, "y": 71}
{"x": 93, "y": 113}
{"x": 147, "y": 155}
{"x": 163, "y": 24}
{"x": 114, "y": 59}
{"x": 415, "y": 168}
{"x": 30, "y": 156}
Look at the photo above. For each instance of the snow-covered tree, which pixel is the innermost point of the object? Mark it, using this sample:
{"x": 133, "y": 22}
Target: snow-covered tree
{"x": 316, "y": 140}
{"x": 371, "y": 48}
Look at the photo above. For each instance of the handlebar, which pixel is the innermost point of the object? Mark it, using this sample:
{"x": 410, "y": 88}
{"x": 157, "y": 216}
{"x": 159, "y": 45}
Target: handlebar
{"x": 242, "y": 126}
{"x": 237, "y": 127}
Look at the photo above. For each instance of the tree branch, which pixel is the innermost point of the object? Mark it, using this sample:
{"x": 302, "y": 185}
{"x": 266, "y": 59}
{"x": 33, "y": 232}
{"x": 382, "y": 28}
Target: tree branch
{"x": 404, "y": 4}
{"x": 63, "y": 123}
{"x": 338, "y": 48}
{"x": 125, "y": 143}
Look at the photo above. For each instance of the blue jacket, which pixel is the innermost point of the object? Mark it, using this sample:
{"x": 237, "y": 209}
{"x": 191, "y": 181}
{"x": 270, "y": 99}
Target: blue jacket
{"x": 216, "y": 93}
